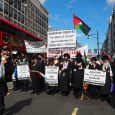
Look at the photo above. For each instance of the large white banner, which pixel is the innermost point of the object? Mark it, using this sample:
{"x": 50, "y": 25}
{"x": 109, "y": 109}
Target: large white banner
{"x": 83, "y": 50}
{"x": 51, "y": 73}
{"x": 61, "y": 39}
{"x": 23, "y": 71}
{"x": 35, "y": 47}
{"x": 95, "y": 77}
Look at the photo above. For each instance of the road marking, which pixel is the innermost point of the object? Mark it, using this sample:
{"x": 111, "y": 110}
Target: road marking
{"x": 75, "y": 111}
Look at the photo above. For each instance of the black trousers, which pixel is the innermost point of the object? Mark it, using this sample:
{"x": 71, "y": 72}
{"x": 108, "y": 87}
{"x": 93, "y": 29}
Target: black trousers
{"x": 2, "y": 105}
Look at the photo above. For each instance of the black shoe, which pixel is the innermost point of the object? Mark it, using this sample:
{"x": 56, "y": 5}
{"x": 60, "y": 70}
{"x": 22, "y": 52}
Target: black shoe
{"x": 33, "y": 92}
{"x": 22, "y": 90}
{"x": 48, "y": 92}
{"x": 38, "y": 92}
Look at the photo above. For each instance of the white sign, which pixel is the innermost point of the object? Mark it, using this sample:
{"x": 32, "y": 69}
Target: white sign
{"x": 51, "y": 73}
{"x": 23, "y": 71}
{"x": 35, "y": 47}
{"x": 95, "y": 77}
{"x": 61, "y": 39}
{"x": 83, "y": 50}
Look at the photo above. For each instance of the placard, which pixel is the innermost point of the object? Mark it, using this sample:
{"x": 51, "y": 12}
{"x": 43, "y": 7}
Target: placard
{"x": 23, "y": 71}
{"x": 51, "y": 73}
{"x": 95, "y": 77}
{"x": 61, "y": 39}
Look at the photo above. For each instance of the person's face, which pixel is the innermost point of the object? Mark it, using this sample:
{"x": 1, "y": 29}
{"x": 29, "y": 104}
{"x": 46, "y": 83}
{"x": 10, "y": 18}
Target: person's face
{"x": 4, "y": 61}
{"x": 94, "y": 62}
{"x": 105, "y": 60}
{"x": 51, "y": 63}
{"x": 35, "y": 61}
{"x": 101, "y": 61}
{"x": 66, "y": 58}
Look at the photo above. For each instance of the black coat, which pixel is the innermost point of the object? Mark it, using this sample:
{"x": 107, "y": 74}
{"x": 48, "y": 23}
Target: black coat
{"x": 93, "y": 89}
{"x": 37, "y": 79}
{"x": 3, "y": 88}
{"x": 64, "y": 78}
{"x": 77, "y": 76}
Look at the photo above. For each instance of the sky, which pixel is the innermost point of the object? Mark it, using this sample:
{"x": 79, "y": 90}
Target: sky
{"x": 95, "y": 13}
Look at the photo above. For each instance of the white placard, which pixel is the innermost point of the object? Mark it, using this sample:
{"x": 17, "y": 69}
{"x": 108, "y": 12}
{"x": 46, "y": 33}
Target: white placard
{"x": 95, "y": 77}
{"x": 23, "y": 71}
{"x": 61, "y": 39}
{"x": 83, "y": 50}
{"x": 51, "y": 73}
{"x": 35, "y": 47}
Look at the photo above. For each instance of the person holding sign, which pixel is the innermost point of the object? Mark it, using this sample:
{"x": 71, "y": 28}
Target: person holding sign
{"x": 78, "y": 75}
{"x": 65, "y": 75}
{"x": 35, "y": 76}
{"x": 105, "y": 90}
{"x": 93, "y": 90}
{"x": 52, "y": 88}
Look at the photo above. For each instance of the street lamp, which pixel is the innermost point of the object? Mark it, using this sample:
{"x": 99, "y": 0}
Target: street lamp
{"x": 17, "y": 2}
{"x": 97, "y": 39}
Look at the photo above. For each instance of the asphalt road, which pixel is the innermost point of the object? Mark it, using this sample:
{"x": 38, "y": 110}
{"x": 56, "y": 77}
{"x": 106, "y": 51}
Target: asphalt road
{"x": 24, "y": 103}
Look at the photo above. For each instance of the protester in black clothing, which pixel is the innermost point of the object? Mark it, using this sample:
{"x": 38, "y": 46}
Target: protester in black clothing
{"x": 51, "y": 89}
{"x": 78, "y": 75}
{"x": 65, "y": 75}
{"x": 105, "y": 90}
{"x": 93, "y": 90}
{"x": 35, "y": 76}
{"x": 3, "y": 85}
{"x": 113, "y": 70}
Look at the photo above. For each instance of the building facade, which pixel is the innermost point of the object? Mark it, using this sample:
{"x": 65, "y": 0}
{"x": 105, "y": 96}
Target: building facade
{"x": 28, "y": 14}
{"x": 109, "y": 43}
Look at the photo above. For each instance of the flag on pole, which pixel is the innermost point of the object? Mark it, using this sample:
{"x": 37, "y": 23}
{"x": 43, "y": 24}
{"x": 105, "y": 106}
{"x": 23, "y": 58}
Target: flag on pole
{"x": 79, "y": 24}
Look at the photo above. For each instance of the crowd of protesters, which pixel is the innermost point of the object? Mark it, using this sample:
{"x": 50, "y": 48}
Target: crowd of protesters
{"x": 70, "y": 77}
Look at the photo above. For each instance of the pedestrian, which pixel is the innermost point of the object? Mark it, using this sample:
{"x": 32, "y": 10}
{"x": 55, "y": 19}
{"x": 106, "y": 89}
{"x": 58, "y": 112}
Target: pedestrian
{"x": 93, "y": 90}
{"x": 3, "y": 85}
{"x": 65, "y": 75}
{"x": 78, "y": 75}
{"x": 51, "y": 89}
{"x": 36, "y": 78}
{"x": 105, "y": 90}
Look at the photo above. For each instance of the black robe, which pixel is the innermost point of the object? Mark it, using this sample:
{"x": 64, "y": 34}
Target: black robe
{"x": 93, "y": 90}
{"x": 77, "y": 76}
{"x": 64, "y": 78}
{"x": 105, "y": 90}
{"x": 37, "y": 79}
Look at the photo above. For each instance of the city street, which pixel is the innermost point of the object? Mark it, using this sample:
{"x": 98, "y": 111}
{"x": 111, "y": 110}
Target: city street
{"x": 24, "y": 103}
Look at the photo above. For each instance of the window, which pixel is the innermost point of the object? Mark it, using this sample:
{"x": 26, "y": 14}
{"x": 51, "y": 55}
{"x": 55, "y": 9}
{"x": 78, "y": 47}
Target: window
{"x": 15, "y": 3}
{"x": 15, "y": 14}
{"x": 19, "y": 6}
{"x": 1, "y": 5}
{"x": 11, "y": 12}
{"x": 22, "y": 18}
{"x": 6, "y": 8}
{"x": 19, "y": 16}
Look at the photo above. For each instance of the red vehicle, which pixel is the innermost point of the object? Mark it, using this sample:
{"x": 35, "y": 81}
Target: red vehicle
{"x": 14, "y": 36}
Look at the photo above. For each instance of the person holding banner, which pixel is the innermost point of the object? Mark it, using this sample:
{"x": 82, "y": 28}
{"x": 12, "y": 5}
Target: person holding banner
{"x": 78, "y": 75}
{"x": 93, "y": 90}
{"x": 52, "y": 89}
{"x": 65, "y": 75}
{"x": 105, "y": 90}
{"x": 35, "y": 76}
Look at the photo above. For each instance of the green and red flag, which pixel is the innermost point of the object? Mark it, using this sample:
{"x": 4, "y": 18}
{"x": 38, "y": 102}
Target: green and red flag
{"x": 79, "y": 24}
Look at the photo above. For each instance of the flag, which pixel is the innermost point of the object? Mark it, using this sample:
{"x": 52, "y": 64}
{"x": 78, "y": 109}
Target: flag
{"x": 79, "y": 24}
